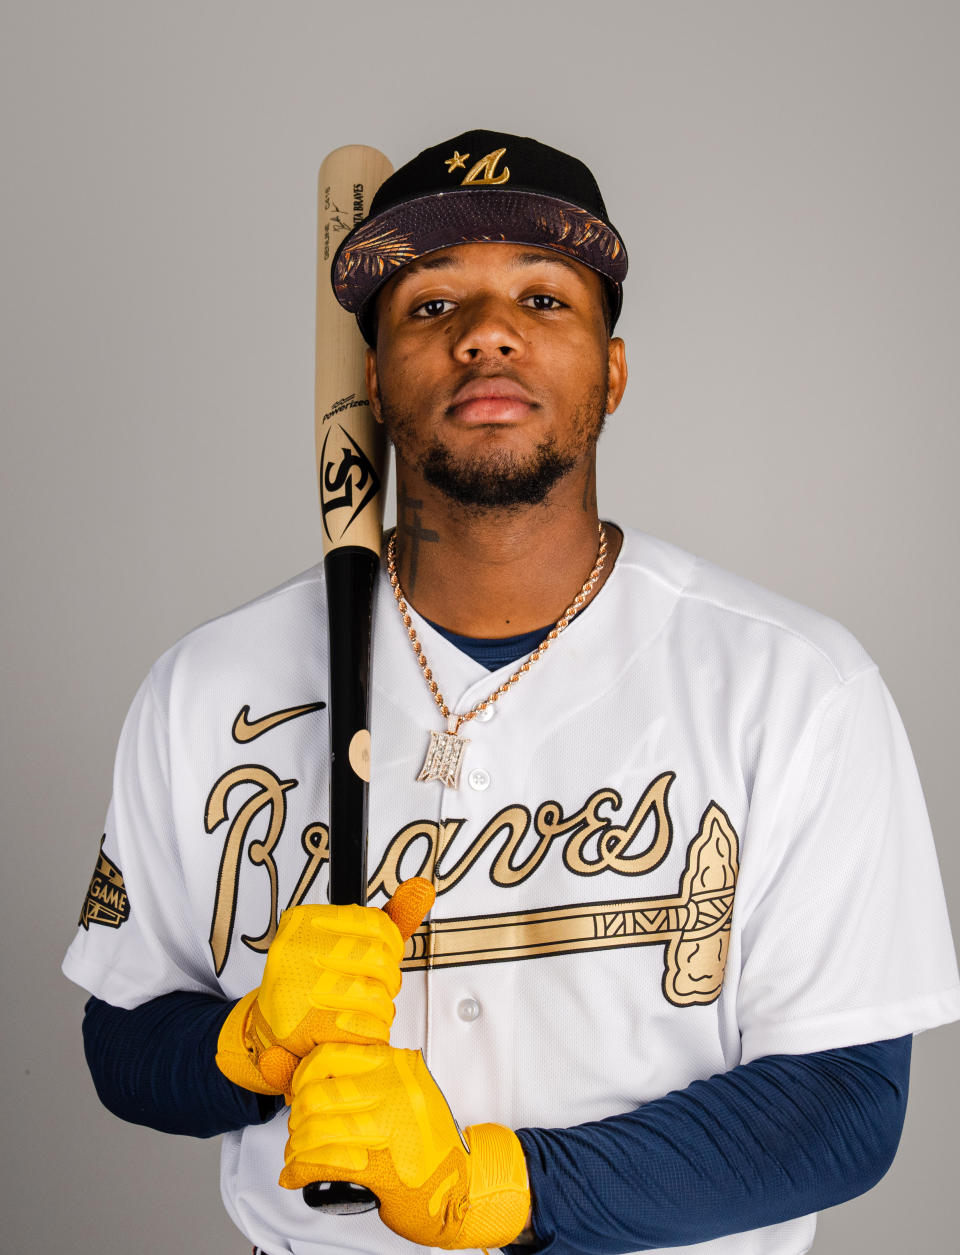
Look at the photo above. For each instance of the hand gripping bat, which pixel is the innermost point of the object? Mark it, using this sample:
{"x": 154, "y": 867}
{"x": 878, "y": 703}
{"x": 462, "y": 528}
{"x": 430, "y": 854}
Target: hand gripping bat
{"x": 351, "y": 472}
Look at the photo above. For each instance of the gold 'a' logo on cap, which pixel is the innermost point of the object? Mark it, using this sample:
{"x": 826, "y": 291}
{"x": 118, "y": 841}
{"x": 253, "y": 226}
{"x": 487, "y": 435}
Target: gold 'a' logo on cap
{"x": 483, "y": 173}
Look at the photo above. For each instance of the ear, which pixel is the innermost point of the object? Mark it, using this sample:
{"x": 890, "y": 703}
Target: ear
{"x": 373, "y": 383}
{"x": 617, "y": 378}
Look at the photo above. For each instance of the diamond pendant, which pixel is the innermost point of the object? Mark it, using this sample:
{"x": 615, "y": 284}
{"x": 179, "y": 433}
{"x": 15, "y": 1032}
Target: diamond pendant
{"x": 445, "y": 756}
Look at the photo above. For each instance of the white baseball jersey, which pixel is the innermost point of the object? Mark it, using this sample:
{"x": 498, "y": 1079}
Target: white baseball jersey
{"x": 692, "y": 835}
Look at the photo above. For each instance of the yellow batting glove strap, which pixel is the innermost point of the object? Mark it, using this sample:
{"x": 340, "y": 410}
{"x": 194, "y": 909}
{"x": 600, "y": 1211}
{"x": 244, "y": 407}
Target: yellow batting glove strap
{"x": 375, "y": 1115}
{"x": 233, "y": 1057}
{"x": 498, "y": 1201}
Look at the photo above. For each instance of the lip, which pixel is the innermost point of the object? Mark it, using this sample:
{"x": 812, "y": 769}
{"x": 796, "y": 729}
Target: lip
{"x": 495, "y": 399}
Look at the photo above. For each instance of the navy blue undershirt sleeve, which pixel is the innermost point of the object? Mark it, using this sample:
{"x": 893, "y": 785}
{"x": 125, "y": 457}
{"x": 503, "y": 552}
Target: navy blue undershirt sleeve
{"x": 773, "y": 1139}
{"x": 155, "y": 1065}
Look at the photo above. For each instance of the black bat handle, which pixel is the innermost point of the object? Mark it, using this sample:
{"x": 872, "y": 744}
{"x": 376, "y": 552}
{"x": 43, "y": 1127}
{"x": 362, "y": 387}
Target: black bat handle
{"x": 350, "y": 574}
{"x": 339, "y": 1198}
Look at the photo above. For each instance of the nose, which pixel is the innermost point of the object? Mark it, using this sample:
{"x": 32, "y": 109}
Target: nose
{"x": 488, "y": 329}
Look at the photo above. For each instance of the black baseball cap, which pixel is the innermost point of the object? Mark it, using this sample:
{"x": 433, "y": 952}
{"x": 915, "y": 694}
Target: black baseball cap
{"x": 480, "y": 187}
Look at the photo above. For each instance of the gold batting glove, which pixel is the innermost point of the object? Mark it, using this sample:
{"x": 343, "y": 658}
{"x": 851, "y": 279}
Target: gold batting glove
{"x": 375, "y": 1116}
{"x": 331, "y": 975}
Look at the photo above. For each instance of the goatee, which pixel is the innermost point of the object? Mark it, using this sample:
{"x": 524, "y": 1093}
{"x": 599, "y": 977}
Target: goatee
{"x": 498, "y": 478}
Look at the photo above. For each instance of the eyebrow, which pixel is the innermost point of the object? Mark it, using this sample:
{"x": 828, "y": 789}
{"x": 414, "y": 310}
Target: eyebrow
{"x": 447, "y": 262}
{"x": 554, "y": 259}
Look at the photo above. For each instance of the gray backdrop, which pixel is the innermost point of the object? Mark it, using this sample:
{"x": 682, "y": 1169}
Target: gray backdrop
{"x": 785, "y": 175}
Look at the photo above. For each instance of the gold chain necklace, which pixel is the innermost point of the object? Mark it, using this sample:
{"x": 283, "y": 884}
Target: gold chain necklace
{"x": 445, "y": 756}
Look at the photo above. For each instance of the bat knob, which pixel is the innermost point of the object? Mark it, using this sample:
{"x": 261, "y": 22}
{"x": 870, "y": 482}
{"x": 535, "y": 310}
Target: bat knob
{"x": 339, "y": 1198}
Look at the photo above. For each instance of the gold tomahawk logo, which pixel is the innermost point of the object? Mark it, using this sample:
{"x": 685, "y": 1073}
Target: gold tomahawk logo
{"x": 693, "y": 925}
{"x": 106, "y": 901}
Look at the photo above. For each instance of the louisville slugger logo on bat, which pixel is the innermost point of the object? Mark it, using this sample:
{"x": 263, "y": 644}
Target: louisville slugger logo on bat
{"x": 349, "y": 481}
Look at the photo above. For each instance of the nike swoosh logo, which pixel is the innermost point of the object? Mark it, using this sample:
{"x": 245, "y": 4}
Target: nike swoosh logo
{"x": 246, "y": 729}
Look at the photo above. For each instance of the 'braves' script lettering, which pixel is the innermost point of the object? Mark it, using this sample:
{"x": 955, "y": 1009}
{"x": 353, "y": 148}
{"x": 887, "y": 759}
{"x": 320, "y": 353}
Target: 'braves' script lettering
{"x": 514, "y": 841}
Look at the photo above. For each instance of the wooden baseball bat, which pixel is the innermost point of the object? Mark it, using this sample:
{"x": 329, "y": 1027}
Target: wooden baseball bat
{"x": 351, "y": 473}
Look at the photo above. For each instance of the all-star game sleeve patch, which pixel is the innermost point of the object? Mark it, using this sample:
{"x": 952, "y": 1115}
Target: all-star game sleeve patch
{"x": 106, "y": 901}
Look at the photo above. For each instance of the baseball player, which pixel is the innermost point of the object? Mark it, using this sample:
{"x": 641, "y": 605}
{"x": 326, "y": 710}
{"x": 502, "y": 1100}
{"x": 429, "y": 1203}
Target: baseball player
{"x": 687, "y": 908}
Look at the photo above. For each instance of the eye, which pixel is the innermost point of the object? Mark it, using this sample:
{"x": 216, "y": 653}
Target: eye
{"x": 433, "y": 308}
{"x": 543, "y": 301}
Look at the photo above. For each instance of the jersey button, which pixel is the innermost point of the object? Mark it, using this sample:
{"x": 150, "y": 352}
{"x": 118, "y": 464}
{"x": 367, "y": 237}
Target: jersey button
{"x": 468, "y": 1009}
{"x": 479, "y": 779}
{"x": 485, "y": 715}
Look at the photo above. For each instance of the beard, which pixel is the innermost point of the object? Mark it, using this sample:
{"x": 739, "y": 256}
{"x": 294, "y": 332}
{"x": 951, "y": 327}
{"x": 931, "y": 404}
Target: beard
{"x": 497, "y": 478}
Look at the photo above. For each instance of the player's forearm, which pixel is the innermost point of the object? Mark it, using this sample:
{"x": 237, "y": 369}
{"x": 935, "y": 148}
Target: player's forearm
{"x": 154, "y": 1065}
{"x": 774, "y": 1139}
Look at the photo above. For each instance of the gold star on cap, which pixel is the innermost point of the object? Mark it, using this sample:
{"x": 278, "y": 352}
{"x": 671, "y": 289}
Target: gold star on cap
{"x": 456, "y": 162}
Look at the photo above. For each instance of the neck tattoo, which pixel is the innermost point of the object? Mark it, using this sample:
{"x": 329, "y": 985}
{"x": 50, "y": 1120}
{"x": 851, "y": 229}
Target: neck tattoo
{"x": 445, "y": 755}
